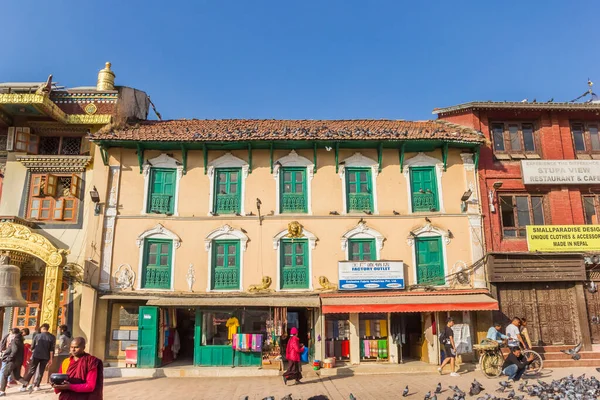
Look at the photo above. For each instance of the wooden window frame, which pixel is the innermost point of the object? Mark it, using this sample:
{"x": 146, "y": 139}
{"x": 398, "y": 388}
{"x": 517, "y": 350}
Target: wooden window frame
{"x": 439, "y": 240}
{"x": 238, "y": 193}
{"x": 38, "y": 194}
{"x": 434, "y": 190}
{"x": 294, "y": 254}
{"x": 282, "y": 193}
{"x": 520, "y": 230}
{"x": 361, "y": 253}
{"x": 226, "y": 244}
{"x": 145, "y": 264}
{"x": 369, "y": 182}
{"x": 151, "y": 182}
{"x": 506, "y": 139}
{"x": 587, "y": 136}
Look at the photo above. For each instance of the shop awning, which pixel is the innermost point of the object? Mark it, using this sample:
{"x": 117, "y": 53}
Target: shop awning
{"x": 421, "y": 302}
{"x": 261, "y": 301}
{"x": 126, "y": 297}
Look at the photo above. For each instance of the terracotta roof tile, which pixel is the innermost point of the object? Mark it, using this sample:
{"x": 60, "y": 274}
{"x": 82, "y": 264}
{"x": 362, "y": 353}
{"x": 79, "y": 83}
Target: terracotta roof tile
{"x": 273, "y": 130}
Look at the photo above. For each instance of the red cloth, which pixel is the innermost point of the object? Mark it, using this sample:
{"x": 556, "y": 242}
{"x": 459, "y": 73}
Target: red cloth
{"x": 26, "y": 354}
{"x": 345, "y": 348}
{"x": 293, "y": 349}
{"x": 86, "y": 376}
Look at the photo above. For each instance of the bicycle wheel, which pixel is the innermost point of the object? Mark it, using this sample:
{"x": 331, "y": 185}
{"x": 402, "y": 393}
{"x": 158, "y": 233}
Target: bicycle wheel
{"x": 535, "y": 367}
{"x": 491, "y": 364}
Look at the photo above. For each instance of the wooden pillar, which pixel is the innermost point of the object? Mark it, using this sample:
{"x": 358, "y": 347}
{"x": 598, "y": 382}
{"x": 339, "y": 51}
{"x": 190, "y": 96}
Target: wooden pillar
{"x": 586, "y": 336}
{"x": 51, "y": 298}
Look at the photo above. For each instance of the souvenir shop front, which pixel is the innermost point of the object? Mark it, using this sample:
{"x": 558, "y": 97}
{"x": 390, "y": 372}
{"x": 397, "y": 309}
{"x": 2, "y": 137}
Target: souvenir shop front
{"x": 396, "y": 327}
{"x": 222, "y": 331}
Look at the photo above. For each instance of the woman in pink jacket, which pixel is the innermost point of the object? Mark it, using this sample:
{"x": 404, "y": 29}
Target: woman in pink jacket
{"x": 293, "y": 351}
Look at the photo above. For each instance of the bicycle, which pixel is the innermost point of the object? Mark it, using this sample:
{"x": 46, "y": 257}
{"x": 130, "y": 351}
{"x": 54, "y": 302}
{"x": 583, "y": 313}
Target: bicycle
{"x": 491, "y": 359}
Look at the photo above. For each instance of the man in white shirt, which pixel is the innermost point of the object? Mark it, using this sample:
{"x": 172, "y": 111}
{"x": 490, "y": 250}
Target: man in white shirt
{"x": 514, "y": 334}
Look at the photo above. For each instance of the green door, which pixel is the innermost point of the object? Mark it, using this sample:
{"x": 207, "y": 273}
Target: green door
{"x": 162, "y": 191}
{"x": 148, "y": 337}
{"x": 430, "y": 264}
{"x": 424, "y": 189}
{"x": 197, "y": 337}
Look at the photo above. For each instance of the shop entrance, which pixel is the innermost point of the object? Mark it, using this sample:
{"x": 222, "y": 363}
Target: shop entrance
{"x": 301, "y": 319}
{"x": 183, "y": 346}
{"x": 407, "y": 332}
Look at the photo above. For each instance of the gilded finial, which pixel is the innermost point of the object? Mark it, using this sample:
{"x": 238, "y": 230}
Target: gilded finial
{"x": 106, "y": 78}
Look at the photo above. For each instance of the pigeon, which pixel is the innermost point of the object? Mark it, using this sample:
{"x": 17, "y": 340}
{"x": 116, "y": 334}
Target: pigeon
{"x": 438, "y": 388}
{"x": 434, "y": 397}
{"x": 475, "y": 390}
{"x": 405, "y": 391}
{"x": 574, "y": 352}
{"x": 351, "y": 397}
{"x": 511, "y": 394}
{"x": 289, "y": 397}
{"x": 427, "y": 396}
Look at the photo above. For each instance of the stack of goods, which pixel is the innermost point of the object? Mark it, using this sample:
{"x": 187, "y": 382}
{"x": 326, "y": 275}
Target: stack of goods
{"x": 247, "y": 342}
{"x": 329, "y": 363}
{"x": 373, "y": 328}
{"x": 316, "y": 365}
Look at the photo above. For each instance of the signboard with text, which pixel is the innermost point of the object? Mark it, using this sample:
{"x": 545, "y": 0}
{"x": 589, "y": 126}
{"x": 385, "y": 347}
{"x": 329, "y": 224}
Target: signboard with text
{"x": 371, "y": 275}
{"x": 560, "y": 172}
{"x": 563, "y": 238}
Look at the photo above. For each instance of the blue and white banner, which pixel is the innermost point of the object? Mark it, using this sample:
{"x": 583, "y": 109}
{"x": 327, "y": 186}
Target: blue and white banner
{"x": 371, "y": 275}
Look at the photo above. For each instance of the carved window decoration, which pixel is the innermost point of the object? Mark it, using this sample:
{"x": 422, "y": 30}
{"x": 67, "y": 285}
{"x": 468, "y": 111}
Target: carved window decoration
{"x": 54, "y": 197}
{"x": 591, "y": 207}
{"x": 359, "y": 184}
{"x": 161, "y": 185}
{"x": 225, "y": 247}
{"x": 513, "y": 139}
{"x": 21, "y": 139}
{"x": 32, "y": 291}
{"x": 293, "y": 175}
{"x": 60, "y": 145}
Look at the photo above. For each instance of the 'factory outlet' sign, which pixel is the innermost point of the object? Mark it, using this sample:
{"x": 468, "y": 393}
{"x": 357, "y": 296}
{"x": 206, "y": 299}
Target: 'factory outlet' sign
{"x": 566, "y": 238}
{"x": 370, "y": 275}
{"x": 560, "y": 172}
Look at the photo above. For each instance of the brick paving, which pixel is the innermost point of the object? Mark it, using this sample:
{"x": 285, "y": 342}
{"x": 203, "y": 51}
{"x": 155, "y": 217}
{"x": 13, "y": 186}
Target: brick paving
{"x": 363, "y": 387}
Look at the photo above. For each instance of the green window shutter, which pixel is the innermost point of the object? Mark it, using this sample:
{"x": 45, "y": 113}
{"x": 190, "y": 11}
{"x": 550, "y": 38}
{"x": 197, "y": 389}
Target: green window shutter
{"x": 430, "y": 261}
{"x": 424, "y": 189}
{"x": 359, "y": 190}
{"x": 292, "y": 190}
{"x": 225, "y": 265}
{"x": 161, "y": 199}
{"x": 228, "y": 190}
{"x": 156, "y": 271}
{"x": 294, "y": 264}
{"x": 361, "y": 250}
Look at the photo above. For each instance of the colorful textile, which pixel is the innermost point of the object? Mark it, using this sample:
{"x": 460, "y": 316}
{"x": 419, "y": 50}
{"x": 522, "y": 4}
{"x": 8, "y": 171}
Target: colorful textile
{"x": 345, "y": 348}
{"x": 247, "y": 342}
{"x": 384, "y": 328}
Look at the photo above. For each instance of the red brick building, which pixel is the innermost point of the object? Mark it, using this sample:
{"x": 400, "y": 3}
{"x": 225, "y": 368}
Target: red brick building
{"x": 541, "y": 167}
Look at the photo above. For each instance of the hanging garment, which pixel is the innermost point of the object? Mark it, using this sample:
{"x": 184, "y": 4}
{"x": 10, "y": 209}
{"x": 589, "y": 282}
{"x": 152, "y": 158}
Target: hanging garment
{"x": 345, "y": 348}
{"x": 232, "y": 324}
{"x": 336, "y": 330}
{"x": 329, "y": 349}
{"x": 374, "y": 349}
{"x": 377, "y": 328}
{"x": 337, "y": 349}
{"x": 367, "y": 328}
{"x": 384, "y": 328}
{"x": 367, "y": 345}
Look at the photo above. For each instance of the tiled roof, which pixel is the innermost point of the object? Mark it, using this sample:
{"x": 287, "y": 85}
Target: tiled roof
{"x": 529, "y": 105}
{"x": 272, "y": 130}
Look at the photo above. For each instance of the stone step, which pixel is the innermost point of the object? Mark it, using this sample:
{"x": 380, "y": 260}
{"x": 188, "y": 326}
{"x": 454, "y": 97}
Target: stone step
{"x": 595, "y": 362}
{"x": 585, "y": 355}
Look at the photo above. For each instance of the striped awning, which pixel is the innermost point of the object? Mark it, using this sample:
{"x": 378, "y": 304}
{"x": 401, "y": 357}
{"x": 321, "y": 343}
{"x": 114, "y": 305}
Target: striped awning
{"x": 408, "y": 303}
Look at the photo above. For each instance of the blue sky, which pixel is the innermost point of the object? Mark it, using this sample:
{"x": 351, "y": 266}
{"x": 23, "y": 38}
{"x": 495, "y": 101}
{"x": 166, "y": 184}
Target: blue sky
{"x": 338, "y": 59}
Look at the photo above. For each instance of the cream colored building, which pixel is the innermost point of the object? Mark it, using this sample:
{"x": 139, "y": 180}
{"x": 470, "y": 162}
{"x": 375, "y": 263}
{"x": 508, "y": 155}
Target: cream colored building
{"x": 48, "y": 168}
{"x": 203, "y": 221}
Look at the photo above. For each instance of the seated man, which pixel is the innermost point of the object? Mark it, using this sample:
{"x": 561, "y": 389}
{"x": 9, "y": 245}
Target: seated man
{"x": 515, "y": 364}
{"x": 495, "y": 334}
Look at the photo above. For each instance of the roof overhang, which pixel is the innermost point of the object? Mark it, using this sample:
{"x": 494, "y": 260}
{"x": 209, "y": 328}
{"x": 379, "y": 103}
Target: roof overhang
{"x": 236, "y": 301}
{"x": 408, "y": 302}
{"x": 502, "y": 105}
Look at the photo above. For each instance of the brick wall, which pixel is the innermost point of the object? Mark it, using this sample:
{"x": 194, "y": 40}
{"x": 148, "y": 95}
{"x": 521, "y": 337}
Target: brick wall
{"x": 563, "y": 205}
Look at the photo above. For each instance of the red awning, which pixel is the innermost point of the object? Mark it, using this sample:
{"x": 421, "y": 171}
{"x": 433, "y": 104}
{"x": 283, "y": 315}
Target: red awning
{"x": 364, "y": 303}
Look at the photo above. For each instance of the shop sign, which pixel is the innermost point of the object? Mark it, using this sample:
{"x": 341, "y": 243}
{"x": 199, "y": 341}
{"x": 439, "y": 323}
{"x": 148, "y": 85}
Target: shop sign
{"x": 563, "y": 238}
{"x": 560, "y": 172}
{"x": 371, "y": 275}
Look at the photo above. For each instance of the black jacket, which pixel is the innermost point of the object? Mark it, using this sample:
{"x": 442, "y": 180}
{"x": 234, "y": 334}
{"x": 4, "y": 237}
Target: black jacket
{"x": 521, "y": 362}
{"x": 14, "y": 353}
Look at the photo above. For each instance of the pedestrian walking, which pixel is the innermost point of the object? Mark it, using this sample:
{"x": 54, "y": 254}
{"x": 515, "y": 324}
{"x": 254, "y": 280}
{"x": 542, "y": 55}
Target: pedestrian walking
{"x": 86, "y": 375}
{"x": 12, "y": 358}
{"x": 447, "y": 340}
{"x": 42, "y": 356}
{"x": 293, "y": 351}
